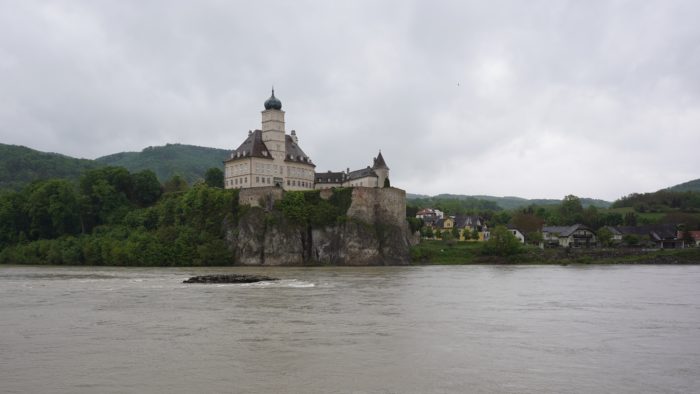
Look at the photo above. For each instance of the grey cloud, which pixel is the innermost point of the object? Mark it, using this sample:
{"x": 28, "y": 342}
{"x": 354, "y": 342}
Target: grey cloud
{"x": 537, "y": 98}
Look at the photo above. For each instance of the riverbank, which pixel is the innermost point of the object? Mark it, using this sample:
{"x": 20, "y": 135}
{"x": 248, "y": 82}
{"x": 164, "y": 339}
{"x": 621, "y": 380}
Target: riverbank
{"x": 465, "y": 253}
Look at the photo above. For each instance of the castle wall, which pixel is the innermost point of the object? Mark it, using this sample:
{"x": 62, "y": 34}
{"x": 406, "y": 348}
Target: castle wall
{"x": 378, "y": 204}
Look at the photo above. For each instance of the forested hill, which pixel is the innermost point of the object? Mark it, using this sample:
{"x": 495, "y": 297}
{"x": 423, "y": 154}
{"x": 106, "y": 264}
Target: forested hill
{"x": 508, "y": 202}
{"x": 20, "y": 166}
{"x": 189, "y": 161}
{"x": 690, "y": 186}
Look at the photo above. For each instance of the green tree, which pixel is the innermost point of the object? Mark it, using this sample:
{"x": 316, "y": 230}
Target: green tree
{"x": 570, "y": 210}
{"x": 475, "y": 234}
{"x": 466, "y": 234}
{"x": 630, "y": 219}
{"x": 455, "y": 232}
{"x": 605, "y": 236}
{"x": 175, "y": 184}
{"x": 214, "y": 177}
{"x": 146, "y": 188}
{"x": 53, "y": 209}
{"x": 501, "y": 243}
{"x": 429, "y": 233}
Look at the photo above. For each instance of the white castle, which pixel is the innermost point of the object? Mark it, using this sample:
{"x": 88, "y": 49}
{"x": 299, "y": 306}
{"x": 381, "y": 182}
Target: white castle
{"x": 271, "y": 157}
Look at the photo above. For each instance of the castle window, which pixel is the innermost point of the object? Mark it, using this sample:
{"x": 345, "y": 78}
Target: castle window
{"x": 257, "y": 179}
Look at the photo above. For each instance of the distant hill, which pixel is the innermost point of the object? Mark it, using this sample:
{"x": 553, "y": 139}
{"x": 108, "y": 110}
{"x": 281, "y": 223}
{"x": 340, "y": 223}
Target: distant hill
{"x": 19, "y": 166}
{"x": 508, "y": 202}
{"x": 690, "y": 186}
{"x": 189, "y": 161}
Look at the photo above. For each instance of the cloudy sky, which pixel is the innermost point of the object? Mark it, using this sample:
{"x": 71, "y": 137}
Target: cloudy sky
{"x": 527, "y": 98}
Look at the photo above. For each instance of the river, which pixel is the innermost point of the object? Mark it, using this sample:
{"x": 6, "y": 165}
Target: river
{"x": 429, "y": 329}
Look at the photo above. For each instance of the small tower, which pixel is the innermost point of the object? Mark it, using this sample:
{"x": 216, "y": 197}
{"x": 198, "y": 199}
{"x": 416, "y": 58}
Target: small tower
{"x": 381, "y": 169}
{"x": 273, "y": 126}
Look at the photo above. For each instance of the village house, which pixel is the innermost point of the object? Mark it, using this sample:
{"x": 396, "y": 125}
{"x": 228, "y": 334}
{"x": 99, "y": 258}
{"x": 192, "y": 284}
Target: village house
{"x": 516, "y": 233}
{"x": 692, "y": 236}
{"x": 575, "y": 236}
{"x": 661, "y": 236}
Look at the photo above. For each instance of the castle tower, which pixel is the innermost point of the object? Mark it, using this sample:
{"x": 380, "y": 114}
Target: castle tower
{"x": 381, "y": 169}
{"x": 273, "y": 127}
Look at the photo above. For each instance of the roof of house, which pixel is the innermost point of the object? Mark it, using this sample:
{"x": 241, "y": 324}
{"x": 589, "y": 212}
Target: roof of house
{"x": 363, "y": 173}
{"x": 253, "y": 146}
{"x": 659, "y": 231}
{"x": 695, "y": 235}
{"x": 462, "y": 221}
{"x": 564, "y": 231}
{"x": 330, "y": 177}
{"x": 294, "y": 152}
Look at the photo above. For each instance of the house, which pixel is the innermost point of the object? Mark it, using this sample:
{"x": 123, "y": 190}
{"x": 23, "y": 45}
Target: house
{"x": 616, "y": 234}
{"x": 516, "y": 233}
{"x": 662, "y": 236}
{"x": 575, "y": 236}
{"x": 689, "y": 235}
{"x": 467, "y": 224}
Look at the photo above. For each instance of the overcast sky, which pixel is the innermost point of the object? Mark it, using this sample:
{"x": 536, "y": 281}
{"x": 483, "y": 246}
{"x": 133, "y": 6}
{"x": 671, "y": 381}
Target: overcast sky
{"x": 537, "y": 99}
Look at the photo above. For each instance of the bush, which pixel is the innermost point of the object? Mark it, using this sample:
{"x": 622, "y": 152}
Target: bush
{"x": 501, "y": 243}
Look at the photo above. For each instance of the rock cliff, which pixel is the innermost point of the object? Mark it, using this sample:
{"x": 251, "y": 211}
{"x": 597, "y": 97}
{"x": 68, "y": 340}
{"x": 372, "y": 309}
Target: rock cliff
{"x": 373, "y": 231}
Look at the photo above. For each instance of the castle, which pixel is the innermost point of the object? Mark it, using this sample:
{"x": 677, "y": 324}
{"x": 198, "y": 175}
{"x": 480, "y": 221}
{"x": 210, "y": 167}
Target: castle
{"x": 271, "y": 157}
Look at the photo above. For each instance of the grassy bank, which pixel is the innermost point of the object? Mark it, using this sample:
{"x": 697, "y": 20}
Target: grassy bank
{"x": 456, "y": 253}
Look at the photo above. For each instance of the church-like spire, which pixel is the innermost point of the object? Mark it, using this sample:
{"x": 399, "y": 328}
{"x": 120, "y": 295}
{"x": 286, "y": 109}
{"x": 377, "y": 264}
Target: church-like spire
{"x": 379, "y": 162}
{"x": 273, "y": 102}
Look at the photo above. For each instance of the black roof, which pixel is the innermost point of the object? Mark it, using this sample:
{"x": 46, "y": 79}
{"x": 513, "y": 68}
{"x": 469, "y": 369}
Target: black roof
{"x": 365, "y": 172}
{"x": 294, "y": 152}
{"x": 330, "y": 177}
{"x": 379, "y": 162}
{"x": 253, "y": 146}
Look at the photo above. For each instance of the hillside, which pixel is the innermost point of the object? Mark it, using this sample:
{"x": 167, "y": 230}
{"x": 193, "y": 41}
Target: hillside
{"x": 190, "y": 162}
{"x": 508, "y": 202}
{"x": 20, "y": 166}
{"x": 690, "y": 186}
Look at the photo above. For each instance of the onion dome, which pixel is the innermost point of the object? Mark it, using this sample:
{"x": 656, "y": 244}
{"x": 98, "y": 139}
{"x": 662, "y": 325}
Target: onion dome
{"x": 273, "y": 102}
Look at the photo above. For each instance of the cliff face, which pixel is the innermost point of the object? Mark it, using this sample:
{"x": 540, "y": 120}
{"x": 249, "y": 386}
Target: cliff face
{"x": 375, "y": 232}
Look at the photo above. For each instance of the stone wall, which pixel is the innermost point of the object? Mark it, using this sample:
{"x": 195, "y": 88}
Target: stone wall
{"x": 260, "y": 196}
{"x": 375, "y": 233}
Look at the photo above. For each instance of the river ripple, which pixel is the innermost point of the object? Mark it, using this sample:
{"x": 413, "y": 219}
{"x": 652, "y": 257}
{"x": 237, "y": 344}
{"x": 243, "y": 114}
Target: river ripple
{"x": 477, "y": 329}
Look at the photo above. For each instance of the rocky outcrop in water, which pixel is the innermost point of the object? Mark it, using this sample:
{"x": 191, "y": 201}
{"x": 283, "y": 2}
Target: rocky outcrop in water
{"x": 229, "y": 279}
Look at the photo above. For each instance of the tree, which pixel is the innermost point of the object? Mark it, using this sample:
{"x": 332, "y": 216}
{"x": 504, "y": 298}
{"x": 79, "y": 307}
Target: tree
{"x": 630, "y": 219}
{"x": 501, "y": 243}
{"x": 605, "y": 236}
{"x": 175, "y": 184}
{"x": 438, "y": 234}
{"x": 455, "y": 232}
{"x": 475, "y": 234}
{"x": 386, "y": 182}
{"x": 570, "y": 210}
{"x": 528, "y": 223}
{"x": 146, "y": 188}
{"x": 214, "y": 177}
{"x": 53, "y": 209}
{"x": 429, "y": 232}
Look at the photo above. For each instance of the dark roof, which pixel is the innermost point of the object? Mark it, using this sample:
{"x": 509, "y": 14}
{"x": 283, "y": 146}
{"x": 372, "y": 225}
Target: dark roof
{"x": 564, "y": 231}
{"x": 330, "y": 177}
{"x": 365, "y": 172}
{"x": 462, "y": 221}
{"x": 253, "y": 146}
{"x": 379, "y": 162}
{"x": 659, "y": 231}
{"x": 294, "y": 152}
{"x": 273, "y": 102}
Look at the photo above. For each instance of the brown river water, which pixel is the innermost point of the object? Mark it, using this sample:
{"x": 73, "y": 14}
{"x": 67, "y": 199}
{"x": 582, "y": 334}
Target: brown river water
{"x": 431, "y": 329}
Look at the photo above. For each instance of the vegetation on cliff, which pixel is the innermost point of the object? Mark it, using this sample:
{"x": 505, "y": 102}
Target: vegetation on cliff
{"x": 114, "y": 217}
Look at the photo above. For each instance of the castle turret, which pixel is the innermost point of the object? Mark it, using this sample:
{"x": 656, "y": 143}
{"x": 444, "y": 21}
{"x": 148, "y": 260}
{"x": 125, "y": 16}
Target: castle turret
{"x": 381, "y": 169}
